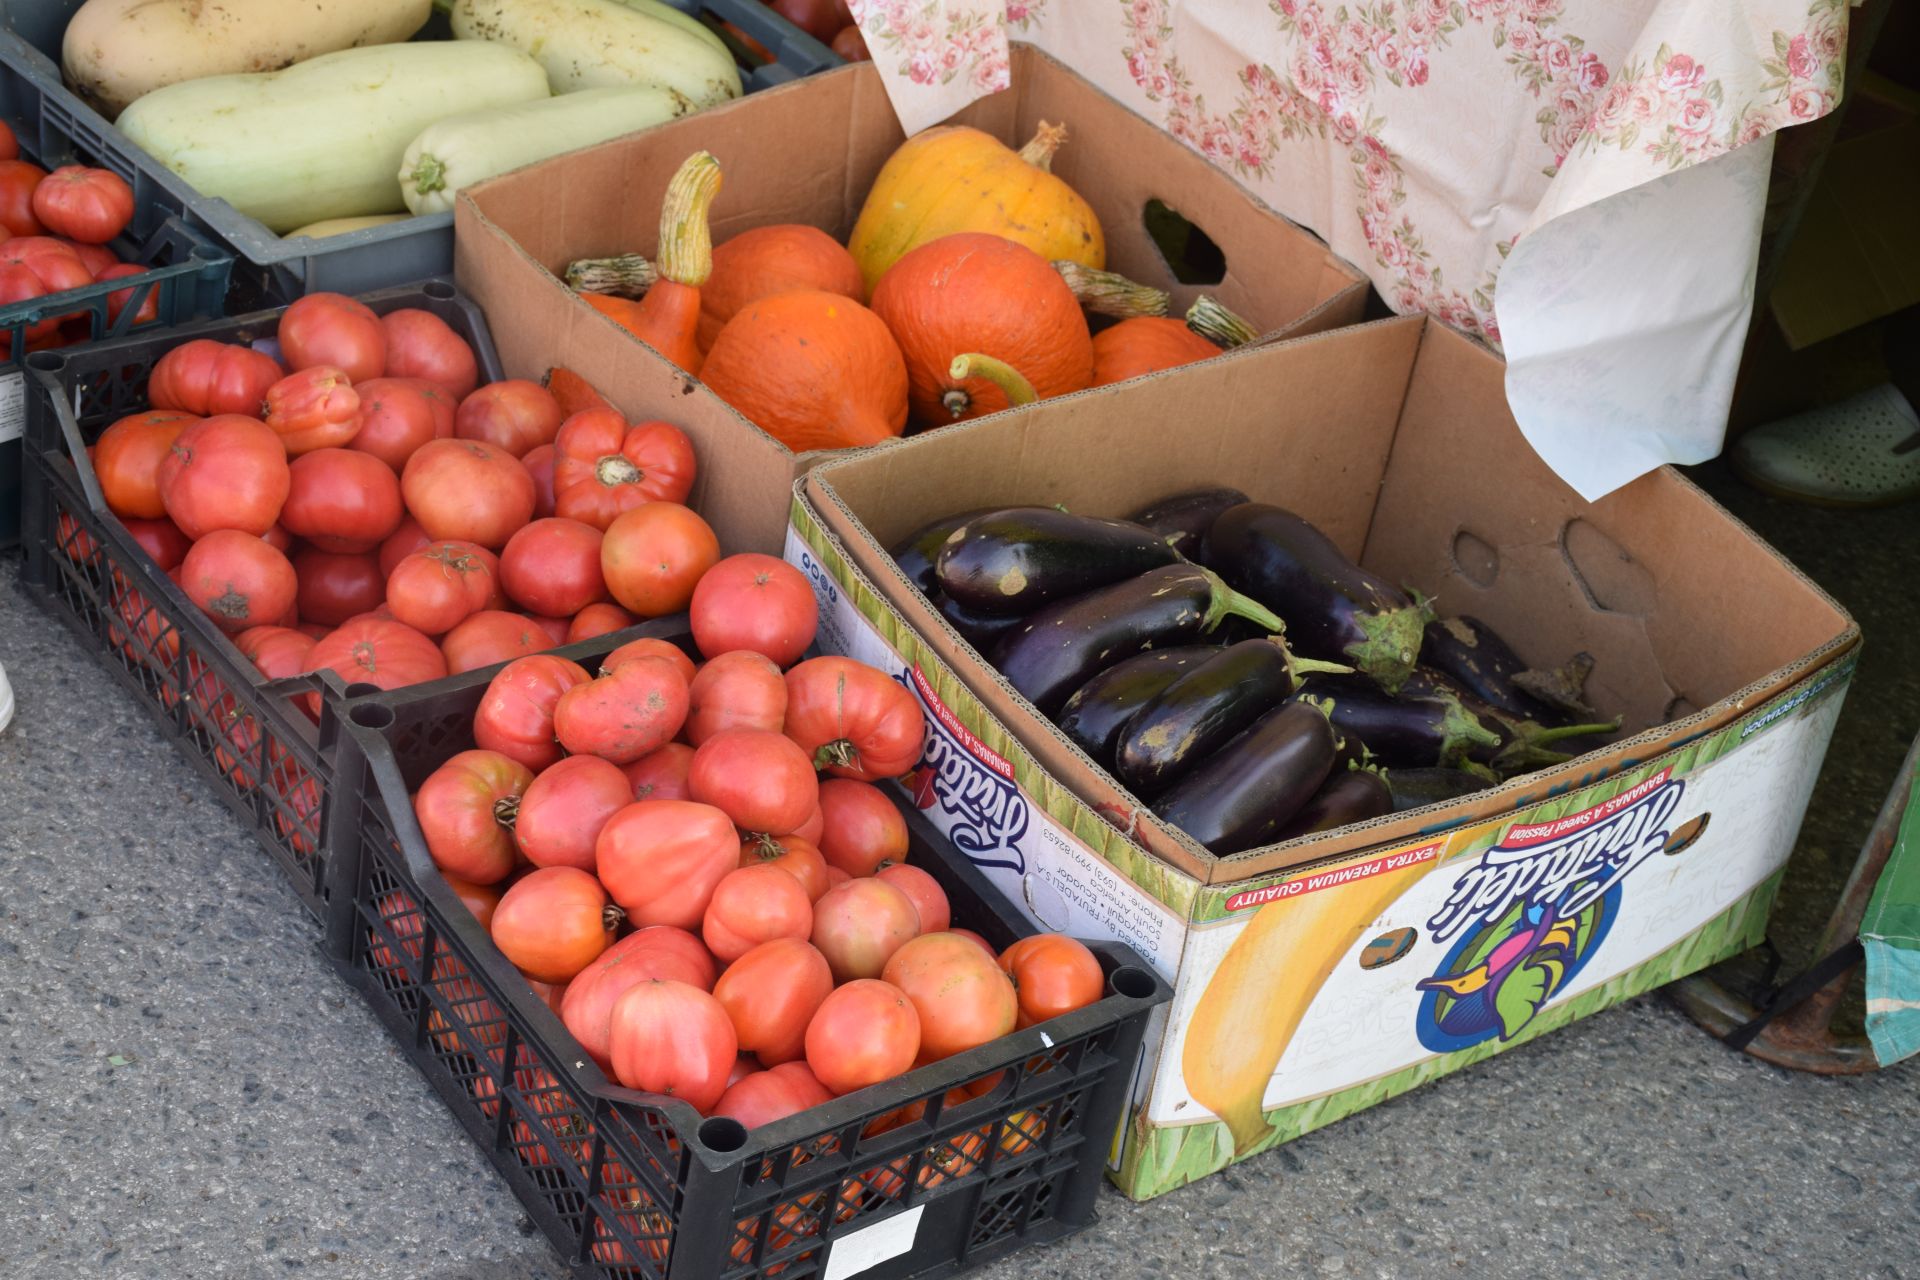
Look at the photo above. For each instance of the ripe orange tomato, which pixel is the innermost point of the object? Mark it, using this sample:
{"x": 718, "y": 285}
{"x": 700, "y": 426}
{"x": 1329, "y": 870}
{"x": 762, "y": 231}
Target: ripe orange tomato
{"x": 659, "y": 951}
{"x": 654, "y": 556}
{"x": 238, "y": 580}
{"x": 863, "y": 1033}
{"x": 771, "y": 993}
{"x": 598, "y": 620}
{"x": 795, "y": 855}
{"x": 773, "y": 1094}
{"x": 861, "y": 828}
{"x": 673, "y": 1039}
{"x": 963, "y": 998}
{"x": 466, "y": 808}
{"x": 332, "y": 329}
{"x": 852, "y": 719}
{"x": 759, "y": 779}
{"x": 422, "y": 345}
{"x": 634, "y": 709}
{"x": 752, "y": 905}
{"x": 515, "y": 715}
{"x": 738, "y": 690}
{"x": 929, "y": 899}
{"x": 468, "y": 490}
{"x": 224, "y": 472}
{"x": 554, "y": 922}
{"x": 564, "y": 808}
{"x": 650, "y": 647}
{"x": 860, "y": 924}
{"x": 435, "y": 588}
{"x": 661, "y": 774}
{"x": 662, "y": 859}
{"x": 489, "y": 636}
{"x": 514, "y": 415}
{"x": 127, "y": 461}
{"x": 755, "y": 602}
{"x": 1055, "y": 974}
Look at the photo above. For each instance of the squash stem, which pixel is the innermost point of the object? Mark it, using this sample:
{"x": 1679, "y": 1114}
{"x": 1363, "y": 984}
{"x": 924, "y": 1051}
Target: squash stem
{"x": 627, "y": 276}
{"x": 1210, "y": 318}
{"x": 429, "y": 175}
{"x": 1047, "y": 139}
{"x": 686, "y": 245}
{"x": 1001, "y": 374}
{"x": 1108, "y": 293}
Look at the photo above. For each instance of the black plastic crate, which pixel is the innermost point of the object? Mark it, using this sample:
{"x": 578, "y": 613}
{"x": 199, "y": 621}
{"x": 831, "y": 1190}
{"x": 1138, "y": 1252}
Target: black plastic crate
{"x": 186, "y": 274}
{"x": 268, "y": 759}
{"x": 631, "y": 1186}
{"x": 273, "y": 269}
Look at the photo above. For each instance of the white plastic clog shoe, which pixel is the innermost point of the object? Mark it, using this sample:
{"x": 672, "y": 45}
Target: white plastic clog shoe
{"x": 1863, "y": 451}
{"x": 6, "y": 701}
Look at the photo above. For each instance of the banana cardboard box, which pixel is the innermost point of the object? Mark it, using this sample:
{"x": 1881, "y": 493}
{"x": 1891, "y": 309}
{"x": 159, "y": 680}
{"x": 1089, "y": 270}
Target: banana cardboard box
{"x": 1321, "y": 976}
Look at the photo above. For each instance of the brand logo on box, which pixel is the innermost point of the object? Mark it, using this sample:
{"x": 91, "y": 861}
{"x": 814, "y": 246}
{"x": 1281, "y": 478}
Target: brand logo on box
{"x": 967, "y": 784}
{"x": 1533, "y": 911}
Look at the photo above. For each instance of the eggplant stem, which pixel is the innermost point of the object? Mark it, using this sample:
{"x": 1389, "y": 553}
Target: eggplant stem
{"x": 1461, "y": 731}
{"x": 1563, "y": 687}
{"x": 1225, "y": 601}
{"x": 1315, "y": 667}
{"x": 1565, "y": 731}
{"x": 1392, "y": 644}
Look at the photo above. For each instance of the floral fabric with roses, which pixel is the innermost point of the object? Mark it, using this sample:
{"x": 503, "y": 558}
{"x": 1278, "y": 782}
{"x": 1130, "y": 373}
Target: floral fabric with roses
{"x": 1428, "y": 140}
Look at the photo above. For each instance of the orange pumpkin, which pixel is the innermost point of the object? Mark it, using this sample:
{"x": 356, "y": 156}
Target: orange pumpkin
{"x": 813, "y": 370}
{"x": 784, "y": 258}
{"x": 976, "y": 292}
{"x": 1146, "y": 344}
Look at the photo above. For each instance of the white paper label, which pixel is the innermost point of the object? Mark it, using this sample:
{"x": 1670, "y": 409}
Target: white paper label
{"x": 868, "y": 1247}
{"x": 13, "y": 405}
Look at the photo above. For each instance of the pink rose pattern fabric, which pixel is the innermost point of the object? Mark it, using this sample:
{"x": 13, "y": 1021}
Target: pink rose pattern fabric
{"x": 1352, "y": 79}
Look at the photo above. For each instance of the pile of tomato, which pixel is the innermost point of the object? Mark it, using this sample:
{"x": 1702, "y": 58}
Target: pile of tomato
{"x": 693, "y": 867}
{"x": 54, "y": 228}
{"x": 358, "y": 503}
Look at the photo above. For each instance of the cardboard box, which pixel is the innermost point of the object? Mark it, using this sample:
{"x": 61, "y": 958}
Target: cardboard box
{"x": 1322, "y": 976}
{"x": 807, "y": 152}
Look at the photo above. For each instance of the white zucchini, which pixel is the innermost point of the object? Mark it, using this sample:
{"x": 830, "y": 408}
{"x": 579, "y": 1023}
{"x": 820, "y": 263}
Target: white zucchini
{"x": 341, "y": 226}
{"x": 601, "y": 44}
{"x": 323, "y": 139}
{"x": 116, "y": 50}
{"x": 461, "y": 150}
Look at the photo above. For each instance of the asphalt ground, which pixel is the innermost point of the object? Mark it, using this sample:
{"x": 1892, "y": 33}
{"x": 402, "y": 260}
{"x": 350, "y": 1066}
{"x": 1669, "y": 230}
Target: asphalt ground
{"x": 187, "y": 1090}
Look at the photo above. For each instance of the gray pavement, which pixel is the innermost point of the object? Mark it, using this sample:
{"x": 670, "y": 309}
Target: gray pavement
{"x": 187, "y": 1090}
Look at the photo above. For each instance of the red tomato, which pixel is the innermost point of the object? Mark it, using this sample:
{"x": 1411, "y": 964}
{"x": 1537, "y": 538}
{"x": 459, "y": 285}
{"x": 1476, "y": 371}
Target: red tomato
{"x": 467, "y": 490}
{"x": 554, "y": 922}
{"x": 795, "y": 855}
{"x": 654, "y": 557}
{"x": 401, "y": 543}
{"x": 650, "y": 647}
{"x": 754, "y": 602}
{"x": 515, "y": 716}
{"x": 766, "y": 1096}
{"x": 662, "y": 859}
{"x": 752, "y": 905}
{"x": 770, "y": 994}
{"x": 96, "y": 257}
{"x": 961, "y": 995}
{"x": 673, "y": 1039}
{"x": 929, "y": 899}
{"x": 238, "y": 580}
{"x": 441, "y": 401}
{"x": 738, "y": 690}
{"x": 436, "y": 588}
{"x": 852, "y": 720}
{"x": 863, "y": 828}
{"x": 758, "y": 778}
{"x": 342, "y": 500}
{"x": 864, "y": 1033}
{"x": 120, "y": 299}
{"x": 851, "y": 45}
{"x": 974, "y": 938}
{"x": 335, "y": 585}
{"x": 552, "y": 567}
{"x": 563, "y": 811}
{"x": 657, "y": 952}
{"x": 465, "y": 809}
{"x": 89, "y": 205}
{"x": 623, "y": 715}
{"x": 661, "y": 774}
{"x": 278, "y": 652}
{"x": 539, "y": 464}
{"x": 811, "y": 829}
{"x": 224, "y": 472}
{"x": 332, "y": 329}
{"x": 598, "y": 620}
{"x": 513, "y": 415}
{"x": 161, "y": 539}
{"x": 313, "y": 409}
{"x": 422, "y": 345}
{"x": 394, "y": 420}
{"x": 380, "y": 652}
{"x": 860, "y": 924}
{"x": 127, "y": 458}
{"x": 208, "y": 377}
{"x": 279, "y": 539}
{"x": 603, "y": 467}
{"x": 9, "y": 145}
{"x": 19, "y": 179}
{"x": 1053, "y": 974}
{"x": 489, "y": 636}
{"x": 556, "y": 628}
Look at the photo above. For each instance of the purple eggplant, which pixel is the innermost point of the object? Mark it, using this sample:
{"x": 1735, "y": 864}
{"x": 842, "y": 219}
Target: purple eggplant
{"x": 1474, "y": 656}
{"x": 1061, "y": 647}
{"x": 916, "y": 552}
{"x": 1244, "y": 795}
{"x": 1015, "y": 560}
{"x": 1523, "y": 744}
{"x": 1183, "y": 519}
{"x": 1099, "y": 709}
{"x": 1201, "y": 712}
{"x": 981, "y": 630}
{"x": 1335, "y": 610}
{"x": 1357, "y": 795}
{"x": 1418, "y": 788}
{"x": 1402, "y": 732}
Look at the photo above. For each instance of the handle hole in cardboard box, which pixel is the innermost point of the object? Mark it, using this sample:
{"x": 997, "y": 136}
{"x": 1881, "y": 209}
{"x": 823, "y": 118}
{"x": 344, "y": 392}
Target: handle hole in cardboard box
{"x": 1476, "y": 559}
{"x": 1190, "y": 253}
{"x": 1613, "y": 580}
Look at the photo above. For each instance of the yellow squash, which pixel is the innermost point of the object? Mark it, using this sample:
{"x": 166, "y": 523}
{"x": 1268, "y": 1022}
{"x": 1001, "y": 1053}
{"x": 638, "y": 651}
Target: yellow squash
{"x": 954, "y": 178}
{"x": 1270, "y": 975}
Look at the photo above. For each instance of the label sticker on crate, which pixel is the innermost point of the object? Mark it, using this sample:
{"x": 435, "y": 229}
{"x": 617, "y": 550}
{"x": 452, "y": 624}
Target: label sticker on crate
{"x": 13, "y": 405}
{"x": 868, "y": 1247}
